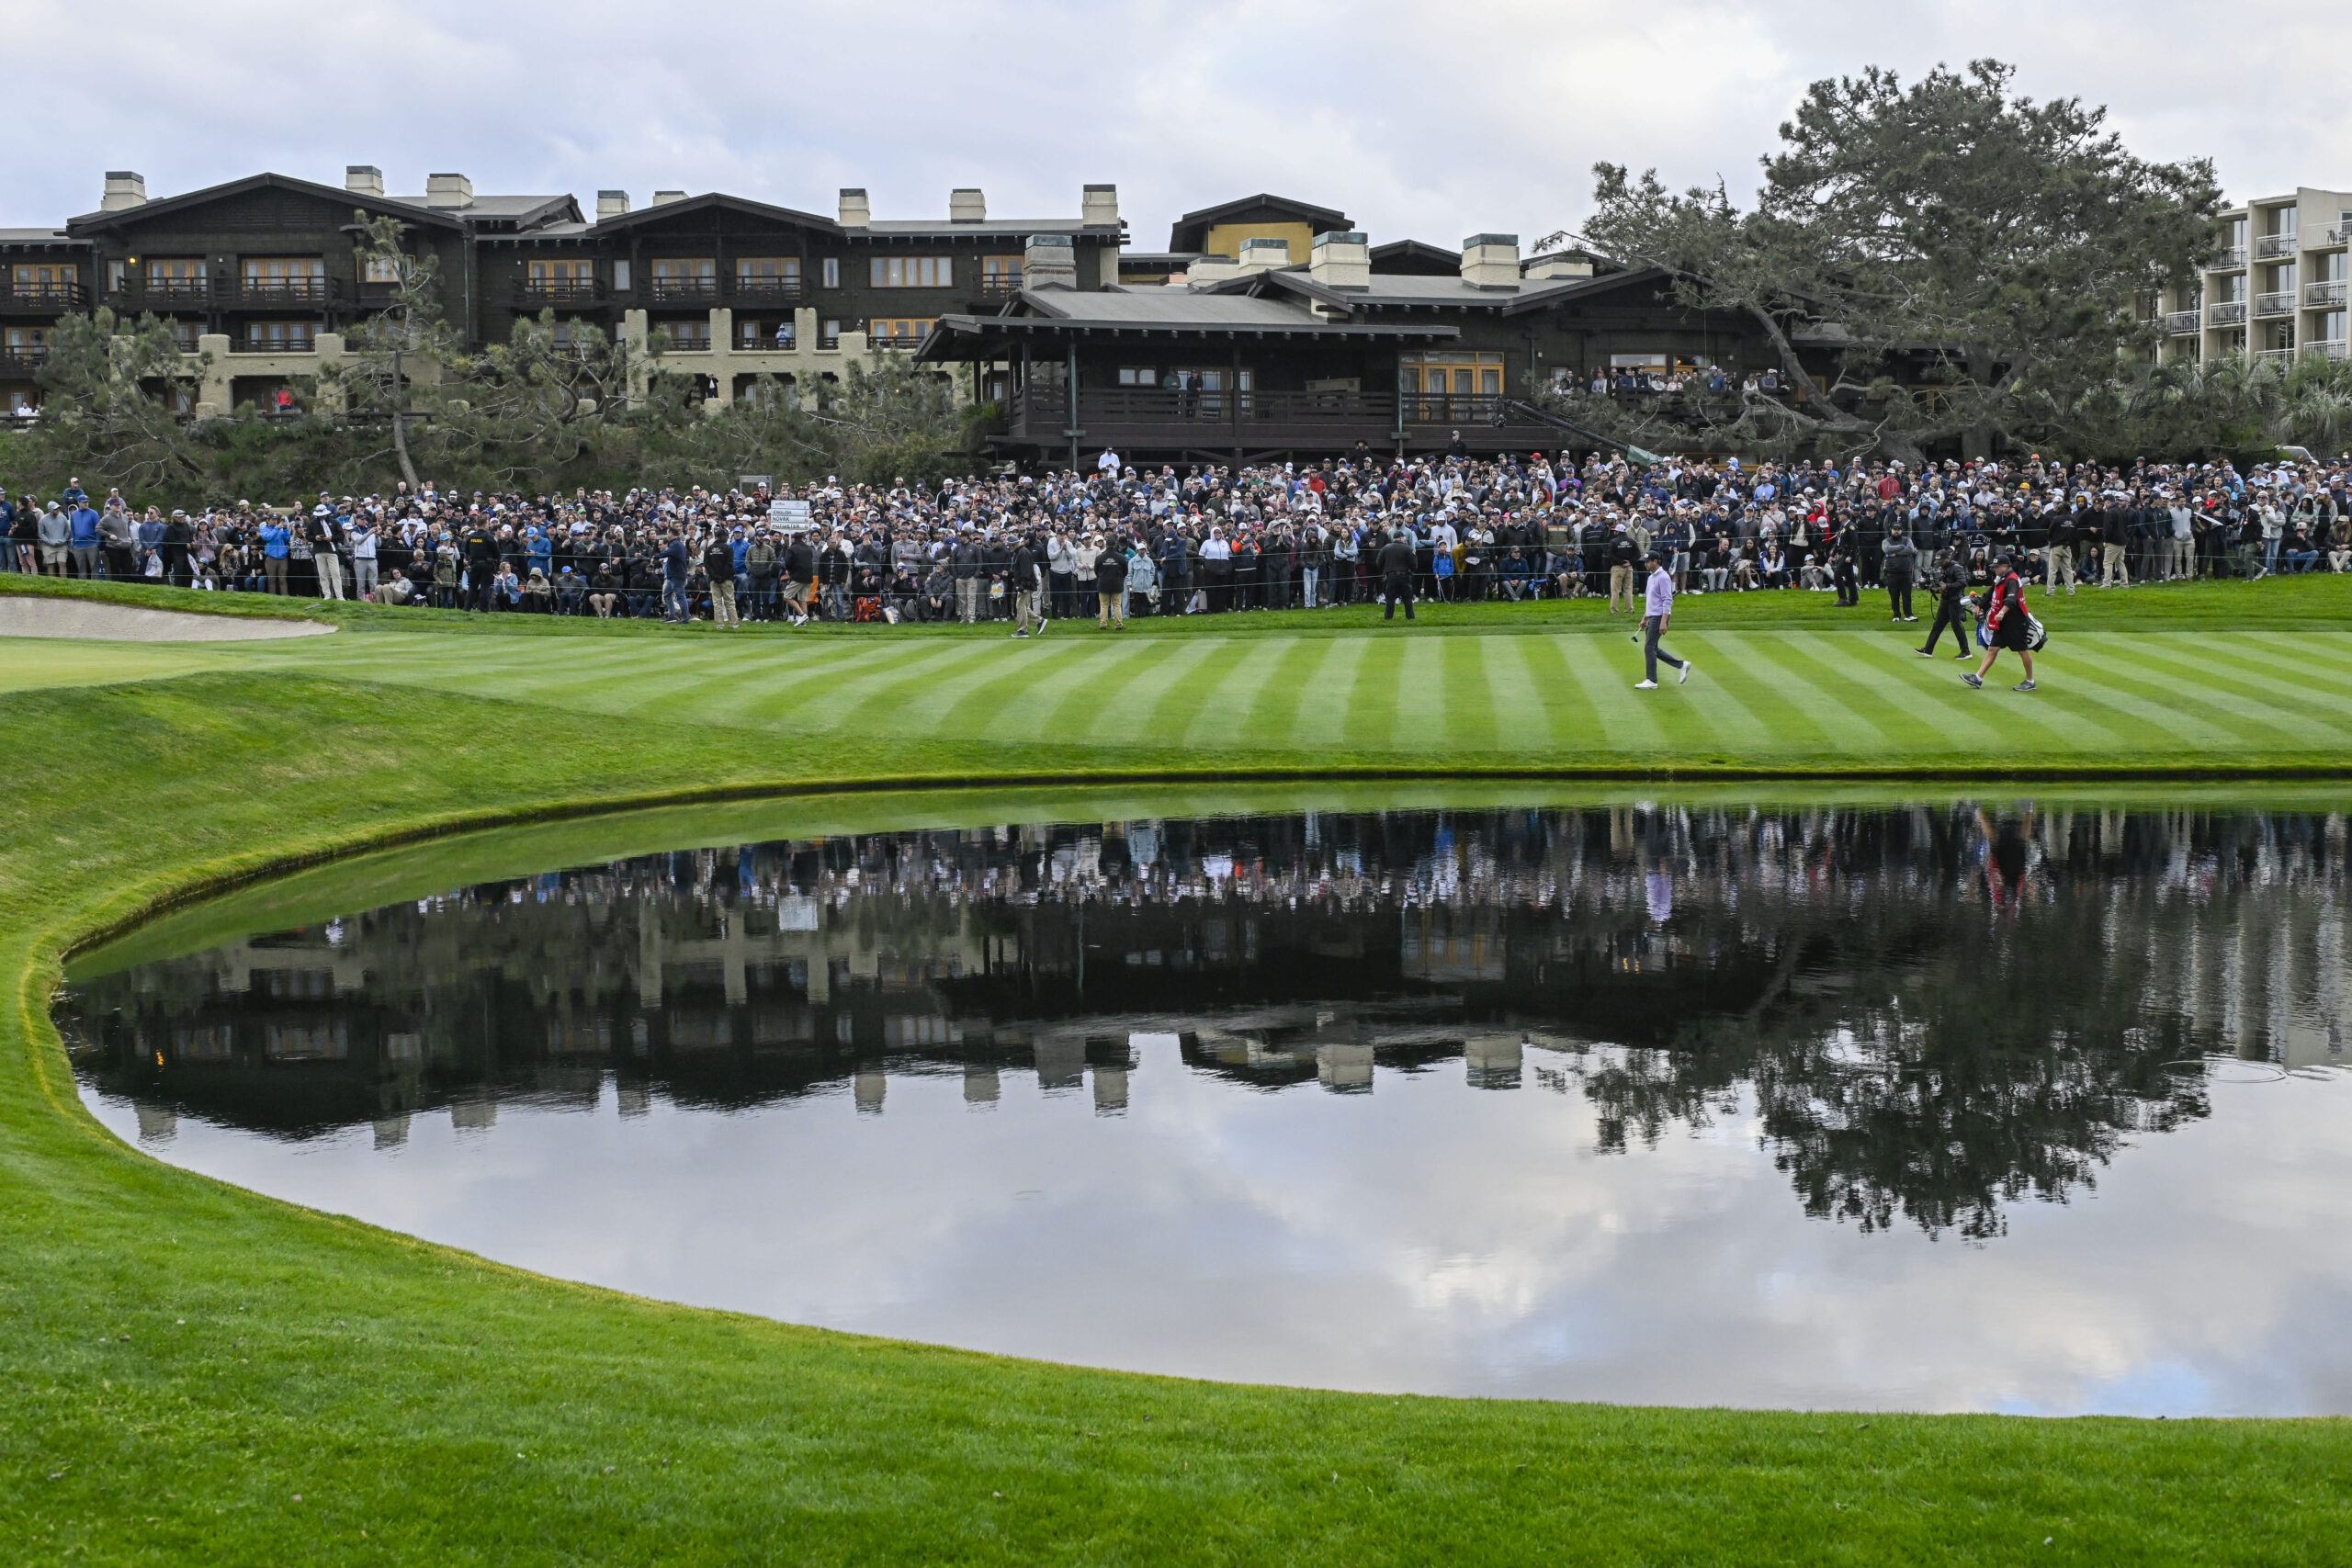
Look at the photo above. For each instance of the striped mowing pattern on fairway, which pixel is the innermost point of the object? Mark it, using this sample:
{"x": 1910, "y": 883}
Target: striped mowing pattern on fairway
{"x": 1534, "y": 697}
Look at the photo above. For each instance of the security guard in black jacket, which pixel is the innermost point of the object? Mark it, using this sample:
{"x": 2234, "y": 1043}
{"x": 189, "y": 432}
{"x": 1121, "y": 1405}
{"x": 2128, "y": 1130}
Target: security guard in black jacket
{"x": 1952, "y": 605}
{"x": 1396, "y": 564}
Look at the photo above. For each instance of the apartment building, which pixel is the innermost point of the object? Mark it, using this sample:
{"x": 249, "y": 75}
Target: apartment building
{"x": 2275, "y": 288}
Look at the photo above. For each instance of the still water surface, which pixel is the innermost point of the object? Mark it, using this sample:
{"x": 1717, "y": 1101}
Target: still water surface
{"x": 1942, "y": 1107}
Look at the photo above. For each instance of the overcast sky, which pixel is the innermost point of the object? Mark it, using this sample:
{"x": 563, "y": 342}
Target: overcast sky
{"x": 1433, "y": 120}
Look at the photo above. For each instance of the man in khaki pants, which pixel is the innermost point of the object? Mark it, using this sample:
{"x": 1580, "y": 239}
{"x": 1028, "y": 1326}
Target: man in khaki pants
{"x": 718, "y": 565}
{"x": 1621, "y": 552}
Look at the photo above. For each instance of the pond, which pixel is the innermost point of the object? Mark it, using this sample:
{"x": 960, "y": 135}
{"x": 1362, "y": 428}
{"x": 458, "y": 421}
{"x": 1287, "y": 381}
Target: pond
{"x": 1959, "y": 1105}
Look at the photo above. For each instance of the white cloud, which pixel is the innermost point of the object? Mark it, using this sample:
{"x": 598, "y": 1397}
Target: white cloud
{"x": 1414, "y": 117}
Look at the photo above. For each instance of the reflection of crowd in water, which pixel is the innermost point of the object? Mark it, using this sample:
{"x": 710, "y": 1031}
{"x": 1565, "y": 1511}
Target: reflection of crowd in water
{"x": 2009, "y": 982}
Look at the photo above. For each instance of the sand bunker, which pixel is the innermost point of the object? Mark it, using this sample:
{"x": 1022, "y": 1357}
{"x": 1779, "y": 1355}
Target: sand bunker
{"x": 22, "y": 616}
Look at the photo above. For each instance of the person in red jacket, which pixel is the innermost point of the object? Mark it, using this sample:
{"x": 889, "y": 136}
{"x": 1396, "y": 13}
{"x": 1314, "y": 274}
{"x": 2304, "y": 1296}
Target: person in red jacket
{"x": 2006, "y": 625}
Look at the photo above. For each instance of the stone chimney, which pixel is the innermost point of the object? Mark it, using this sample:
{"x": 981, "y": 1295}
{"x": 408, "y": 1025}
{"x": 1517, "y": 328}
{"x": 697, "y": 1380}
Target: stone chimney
{"x": 1049, "y": 261}
{"x": 1099, "y": 206}
{"x": 123, "y": 190}
{"x": 1341, "y": 259}
{"x": 611, "y": 204}
{"x": 1208, "y": 270}
{"x": 1261, "y": 254}
{"x": 1543, "y": 269}
{"x": 1490, "y": 260}
{"x": 664, "y": 198}
{"x": 448, "y": 191}
{"x": 967, "y": 204}
{"x": 857, "y": 212}
{"x": 363, "y": 179}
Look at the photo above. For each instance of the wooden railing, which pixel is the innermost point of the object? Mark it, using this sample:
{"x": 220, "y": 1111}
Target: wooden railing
{"x": 754, "y": 288}
{"x": 275, "y": 292}
{"x": 545, "y": 291}
{"x": 50, "y": 296}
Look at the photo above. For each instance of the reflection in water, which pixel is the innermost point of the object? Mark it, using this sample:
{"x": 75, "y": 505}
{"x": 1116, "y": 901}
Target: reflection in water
{"x": 1927, "y": 1015}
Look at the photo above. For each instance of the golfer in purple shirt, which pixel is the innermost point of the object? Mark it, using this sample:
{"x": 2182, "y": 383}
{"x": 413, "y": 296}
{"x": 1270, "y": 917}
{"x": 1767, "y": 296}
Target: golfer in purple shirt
{"x": 1657, "y": 608}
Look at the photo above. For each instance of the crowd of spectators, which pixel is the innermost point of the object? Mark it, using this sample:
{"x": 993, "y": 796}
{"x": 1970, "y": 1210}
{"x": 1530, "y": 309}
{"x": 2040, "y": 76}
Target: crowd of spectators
{"x": 1131, "y": 540}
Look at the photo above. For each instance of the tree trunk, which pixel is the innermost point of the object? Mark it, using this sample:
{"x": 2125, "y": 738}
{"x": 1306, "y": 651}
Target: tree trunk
{"x": 400, "y": 423}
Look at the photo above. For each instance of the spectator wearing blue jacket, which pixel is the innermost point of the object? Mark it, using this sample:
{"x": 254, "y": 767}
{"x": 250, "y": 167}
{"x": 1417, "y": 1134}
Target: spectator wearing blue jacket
{"x": 273, "y": 553}
{"x": 82, "y": 543}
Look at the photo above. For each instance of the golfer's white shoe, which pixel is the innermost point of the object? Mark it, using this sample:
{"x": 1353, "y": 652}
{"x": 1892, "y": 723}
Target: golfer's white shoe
{"x": 1646, "y": 685}
{"x": 1684, "y": 678}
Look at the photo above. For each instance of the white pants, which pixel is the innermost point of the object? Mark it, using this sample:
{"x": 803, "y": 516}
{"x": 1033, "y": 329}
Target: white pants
{"x": 330, "y": 567}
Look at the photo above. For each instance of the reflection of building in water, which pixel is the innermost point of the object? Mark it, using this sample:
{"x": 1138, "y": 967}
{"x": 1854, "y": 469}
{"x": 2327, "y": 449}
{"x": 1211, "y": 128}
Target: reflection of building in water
{"x": 1810, "y": 958}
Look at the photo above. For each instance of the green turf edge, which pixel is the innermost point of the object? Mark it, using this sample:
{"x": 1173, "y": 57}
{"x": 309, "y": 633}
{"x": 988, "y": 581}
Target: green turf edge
{"x": 395, "y": 1379}
{"x": 2309, "y": 601}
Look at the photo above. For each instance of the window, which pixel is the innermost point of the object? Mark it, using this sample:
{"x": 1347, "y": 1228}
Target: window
{"x": 1460, "y": 375}
{"x": 828, "y": 335}
{"x": 2331, "y": 327}
{"x": 561, "y": 271}
{"x": 117, "y": 277}
{"x": 176, "y": 278}
{"x": 1000, "y": 275}
{"x": 294, "y": 270}
{"x": 46, "y": 280}
{"x": 913, "y": 272}
{"x": 1138, "y": 376}
{"x": 29, "y": 345}
{"x": 768, "y": 270}
{"x": 281, "y": 337}
{"x": 184, "y": 333}
{"x": 776, "y": 336}
{"x": 832, "y": 272}
{"x": 690, "y": 278}
{"x": 692, "y": 333}
{"x": 620, "y": 275}
{"x": 899, "y": 332}
{"x": 381, "y": 271}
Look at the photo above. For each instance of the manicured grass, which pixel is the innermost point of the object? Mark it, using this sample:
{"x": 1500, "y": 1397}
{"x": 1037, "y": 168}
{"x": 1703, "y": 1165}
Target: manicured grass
{"x": 184, "y": 1361}
{"x": 2125, "y": 689}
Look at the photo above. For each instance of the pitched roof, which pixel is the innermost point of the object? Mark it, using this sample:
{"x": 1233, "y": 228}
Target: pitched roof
{"x": 1061, "y": 314}
{"x": 1414, "y": 256}
{"x": 391, "y": 207}
{"x": 717, "y": 200}
{"x": 1191, "y": 232}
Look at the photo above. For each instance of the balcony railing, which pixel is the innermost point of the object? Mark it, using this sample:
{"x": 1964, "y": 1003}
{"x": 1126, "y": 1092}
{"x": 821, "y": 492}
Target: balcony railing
{"x": 1000, "y": 286}
{"x": 50, "y": 296}
{"x": 2180, "y": 323}
{"x": 2322, "y": 294}
{"x": 306, "y": 343}
{"x": 2326, "y": 348}
{"x": 765, "y": 343}
{"x": 2336, "y": 233}
{"x": 276, "y": 293}
{"x": 2269, "y": 247}
{"x": 753, "y": 288}
{"x": 683, "y": 290}
{"x": 2228, "y": 313}
{"x": 2279, "y": 304}
{"x": 2227, "y": 257}
{"x": 165, "y": 293}
{"x": 2279, "y": 354}
{"x": 24, "y": 359}
{"x": 539, "y": 292}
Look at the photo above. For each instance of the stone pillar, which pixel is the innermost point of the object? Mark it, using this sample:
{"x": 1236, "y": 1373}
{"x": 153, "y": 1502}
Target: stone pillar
{"x": 634, "y": 327}
{"x": 722, "y": 357}
{"x": 331, "y": 398}
{"x": 215, "y": 383}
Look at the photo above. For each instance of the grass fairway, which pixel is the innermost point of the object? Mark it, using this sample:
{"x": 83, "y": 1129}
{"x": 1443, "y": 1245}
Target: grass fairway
{"x": 198, "y": 1375}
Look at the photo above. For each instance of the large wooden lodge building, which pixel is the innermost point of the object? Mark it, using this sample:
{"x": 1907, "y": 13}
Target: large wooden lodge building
{"x": 1268, "y": 326}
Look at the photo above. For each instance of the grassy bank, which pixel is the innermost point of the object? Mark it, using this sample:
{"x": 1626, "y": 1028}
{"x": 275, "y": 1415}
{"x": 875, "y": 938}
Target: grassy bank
{"x": 199, "y": 1375}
